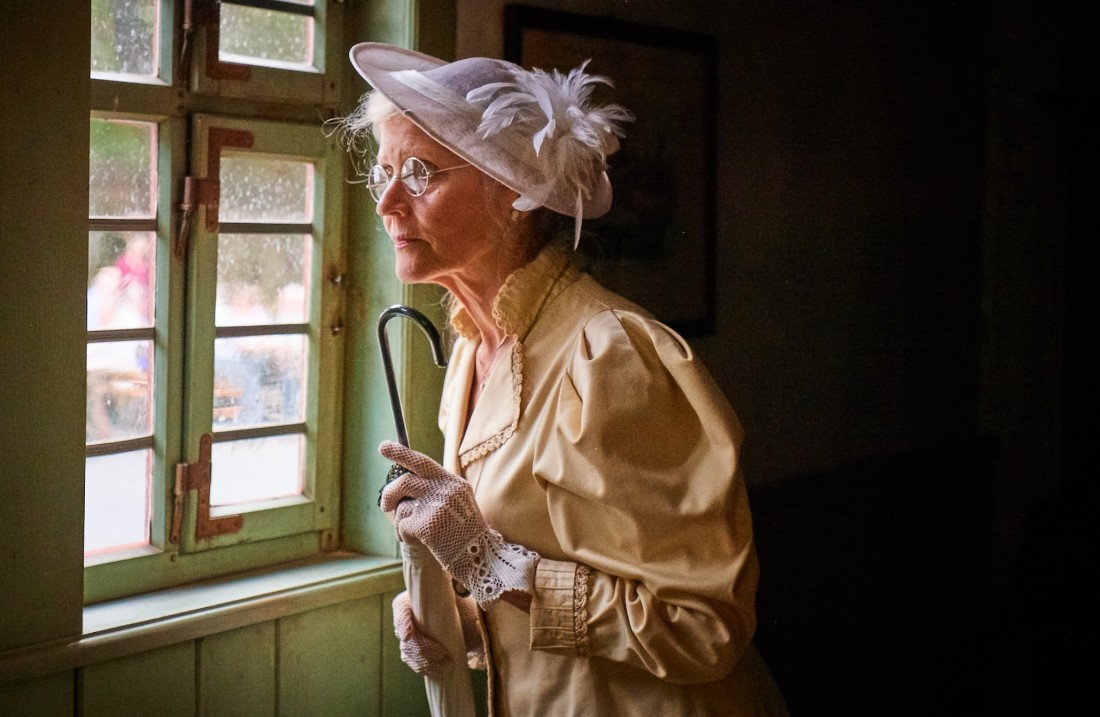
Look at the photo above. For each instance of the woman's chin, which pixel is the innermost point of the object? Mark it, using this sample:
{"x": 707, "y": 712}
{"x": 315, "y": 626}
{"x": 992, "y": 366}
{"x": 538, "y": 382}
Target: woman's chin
{"x": 409, "y": 273}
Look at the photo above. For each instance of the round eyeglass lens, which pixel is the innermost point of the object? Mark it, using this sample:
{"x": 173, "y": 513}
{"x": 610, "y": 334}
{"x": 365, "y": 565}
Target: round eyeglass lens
{"x": 377, "y": 181}
{"x": 415, "y": 176}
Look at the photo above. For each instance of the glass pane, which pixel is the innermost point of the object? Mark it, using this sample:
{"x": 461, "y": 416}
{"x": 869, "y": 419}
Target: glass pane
{"x": 119, "y": 390}
{"x": 122, "y": 169}
{"x": 263, "y": 279}
{"x": 251, "y": 34}
{"x": 259, "y": 380}
{"x": 121, "y": 279}
{"x": 124, "y": 36}
{"x": 261, "y": 189}
{"x": 116, "y": 501}
{"x": 257, "y": 469}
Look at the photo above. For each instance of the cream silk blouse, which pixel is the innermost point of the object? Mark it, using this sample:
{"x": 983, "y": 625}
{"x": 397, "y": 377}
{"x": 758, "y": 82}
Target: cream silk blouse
{"x": 605, "y": 446}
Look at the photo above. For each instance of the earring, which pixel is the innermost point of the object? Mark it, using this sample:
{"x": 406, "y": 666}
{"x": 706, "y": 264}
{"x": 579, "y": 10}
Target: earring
{"x": 516, "y": 215}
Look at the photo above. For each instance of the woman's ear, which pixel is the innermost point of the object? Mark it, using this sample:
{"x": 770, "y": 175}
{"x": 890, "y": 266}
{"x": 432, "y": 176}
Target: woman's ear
{"x": 499, "y": 201}
{"x": 508, "y": 198}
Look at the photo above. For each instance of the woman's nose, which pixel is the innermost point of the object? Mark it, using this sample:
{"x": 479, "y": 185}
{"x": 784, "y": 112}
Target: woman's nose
{"x": 393, "y": 199}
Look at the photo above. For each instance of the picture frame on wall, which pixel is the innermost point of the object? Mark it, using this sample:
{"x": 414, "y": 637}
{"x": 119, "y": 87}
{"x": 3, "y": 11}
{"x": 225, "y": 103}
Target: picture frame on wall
{"x": 656, "y": 246}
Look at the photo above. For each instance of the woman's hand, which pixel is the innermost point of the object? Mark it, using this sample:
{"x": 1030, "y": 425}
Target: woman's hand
{"x": 437, "y": 508}
{"x": 427, "y": 656}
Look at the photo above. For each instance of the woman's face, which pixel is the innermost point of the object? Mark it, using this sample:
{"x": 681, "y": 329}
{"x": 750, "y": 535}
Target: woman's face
{"x": 449, "y": 234}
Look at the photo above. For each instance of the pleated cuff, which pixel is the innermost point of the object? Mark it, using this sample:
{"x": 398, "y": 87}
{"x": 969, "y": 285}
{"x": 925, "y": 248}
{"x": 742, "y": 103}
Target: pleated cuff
{"x": 559, "y": 615}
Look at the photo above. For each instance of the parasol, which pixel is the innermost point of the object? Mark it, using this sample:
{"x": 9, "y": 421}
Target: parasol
{"x": 431, "y": 593}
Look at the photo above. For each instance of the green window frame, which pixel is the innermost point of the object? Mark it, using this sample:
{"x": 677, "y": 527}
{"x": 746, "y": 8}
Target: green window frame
{"x": 276, "y": 105}
{"x": 302, "y": 73}
{"x": 314, "y": 511}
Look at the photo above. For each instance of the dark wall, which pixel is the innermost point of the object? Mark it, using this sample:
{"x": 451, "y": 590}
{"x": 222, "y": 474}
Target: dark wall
{"x": 875, "y": 596}
{"x": 851, "y": 243}
{"x": 924, "y": 326}
{"x": 1042, "y": 386}
{"x": 904, "y": 258}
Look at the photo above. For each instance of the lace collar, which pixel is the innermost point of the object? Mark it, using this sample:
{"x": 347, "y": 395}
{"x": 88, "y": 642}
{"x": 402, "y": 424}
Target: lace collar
{"x": 521, "y": 297}
{"x": 515, "y": 309}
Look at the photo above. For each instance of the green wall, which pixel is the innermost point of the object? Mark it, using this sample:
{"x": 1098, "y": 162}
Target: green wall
{"x": 333, "y": 652}
{"x": 43, "y": 218}
{"x": 337, "y": 660}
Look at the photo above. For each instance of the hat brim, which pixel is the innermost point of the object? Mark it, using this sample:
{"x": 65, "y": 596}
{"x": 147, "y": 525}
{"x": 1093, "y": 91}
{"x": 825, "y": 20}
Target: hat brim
{"x": 513, "y": 165}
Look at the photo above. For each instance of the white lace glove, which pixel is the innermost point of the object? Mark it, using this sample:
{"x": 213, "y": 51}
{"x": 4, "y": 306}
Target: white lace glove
{"x": 423, "y": 654}
{"x": 443, "y": 515}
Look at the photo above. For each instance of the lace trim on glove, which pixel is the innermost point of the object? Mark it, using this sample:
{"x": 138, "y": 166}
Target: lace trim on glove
{"x": 495, "y": 566}
{"x": 580, "y": 609}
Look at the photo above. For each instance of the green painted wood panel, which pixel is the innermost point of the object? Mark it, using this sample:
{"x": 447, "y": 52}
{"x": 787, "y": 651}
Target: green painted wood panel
{"x": 372, "y": 286}
{"x": 237, "y": 672}
{"x": 43, "y": 232}
{"x": 158, "y": 683}
{"x": 50, "y": 696}
{"x": 328, "y": 661}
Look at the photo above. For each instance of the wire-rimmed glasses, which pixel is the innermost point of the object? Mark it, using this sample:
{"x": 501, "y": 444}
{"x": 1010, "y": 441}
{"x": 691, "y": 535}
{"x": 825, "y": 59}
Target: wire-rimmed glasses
{"x": 414, "y": 175}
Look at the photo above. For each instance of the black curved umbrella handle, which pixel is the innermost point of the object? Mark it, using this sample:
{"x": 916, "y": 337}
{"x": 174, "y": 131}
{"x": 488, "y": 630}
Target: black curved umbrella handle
{"x": 438, "y": 356}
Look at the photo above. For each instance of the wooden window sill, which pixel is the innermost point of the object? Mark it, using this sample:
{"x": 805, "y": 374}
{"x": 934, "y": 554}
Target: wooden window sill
{"x": 145, "y": 622}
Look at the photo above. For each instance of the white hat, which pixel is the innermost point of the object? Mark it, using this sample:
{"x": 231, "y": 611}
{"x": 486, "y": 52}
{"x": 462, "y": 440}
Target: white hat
{"x": 533, "y": 131}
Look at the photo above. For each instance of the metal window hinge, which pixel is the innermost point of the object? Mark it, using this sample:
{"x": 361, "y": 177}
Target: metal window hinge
{"x": 196, "y": 191}
{"x": 206, "y": 191}
{"x": 187, "y": 27}
{"x": 218, "y": 138}
{"x": 196, "y": 477}
{"x": 207, "y": 15}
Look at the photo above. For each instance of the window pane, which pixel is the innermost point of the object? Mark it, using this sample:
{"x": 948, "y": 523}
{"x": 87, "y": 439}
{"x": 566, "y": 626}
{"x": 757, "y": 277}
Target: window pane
{"x": 119, "y": 390}
{"x": 121, "y": 279}
{"x": 121, "y": 169}
{"x": 292, "y": 301}
{"x": 260, "y": 189}
{"x": 124, "y": 36}
{"x": 251, "y": 34}
{"x": 258, "y": 380}
{"x": 257, "y": 469}
{"x": 288, "y": 404}
{"x": 116, "y": 501}
{"x": 263, "y": 279}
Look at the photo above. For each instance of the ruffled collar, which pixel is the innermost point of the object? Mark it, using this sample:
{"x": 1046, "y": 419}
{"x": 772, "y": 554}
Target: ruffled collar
{"x": 515, "y": 309}
{"x": 521, "y": 296}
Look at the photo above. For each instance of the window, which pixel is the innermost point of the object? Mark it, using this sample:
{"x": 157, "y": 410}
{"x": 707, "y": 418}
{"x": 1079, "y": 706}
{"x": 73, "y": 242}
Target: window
{"x": 214, "y": 290}
{"x": 122, "y": 248}
{"x": 263, "y": 49}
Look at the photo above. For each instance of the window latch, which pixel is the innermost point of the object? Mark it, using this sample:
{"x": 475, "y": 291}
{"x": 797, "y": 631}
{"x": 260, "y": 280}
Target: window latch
{"x": 196, "y": 477}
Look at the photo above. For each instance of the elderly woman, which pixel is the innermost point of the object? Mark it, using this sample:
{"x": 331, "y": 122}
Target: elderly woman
{"x": 589, "y": 497}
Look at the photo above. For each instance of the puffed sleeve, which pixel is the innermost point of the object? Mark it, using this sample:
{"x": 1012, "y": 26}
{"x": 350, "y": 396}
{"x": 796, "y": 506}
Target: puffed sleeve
{"x": 640, "y": 470}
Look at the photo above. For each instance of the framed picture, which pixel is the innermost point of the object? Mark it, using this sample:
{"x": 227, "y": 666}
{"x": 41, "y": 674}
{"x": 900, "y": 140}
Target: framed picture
{"x": 657, "y": 244}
